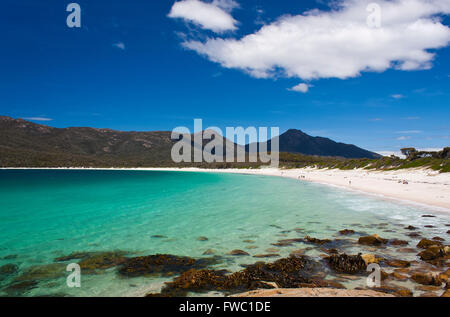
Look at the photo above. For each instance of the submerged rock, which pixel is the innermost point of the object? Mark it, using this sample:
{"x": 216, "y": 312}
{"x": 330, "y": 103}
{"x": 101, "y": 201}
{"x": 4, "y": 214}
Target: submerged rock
{"x": 202, "y": 239}
{"x": 438, "y": 239}
{"x": 158, "y": 236}
{"x": 269, "y": 255}
{"x": 399, "y": 263}
{"x": 346, "y": 232}
{"x": 162, "y": 264}
{"x": 344, "y": 263}
{"x": 238, "y": 253}
{"x": 43, "y": 272}
{"x": 398, "y": 242}
{"x": 373, "y": 240}
{"x": 370, "y": 258}
{"x": 428, "y": 216}
{"x": 410, "y": 228}
{"x": 209, "y": 252}
{"x": 316, "y": 241}
{"x": 19, "y": 288}
{"x": 103, "y": 260}
{"x": 8, "y": 270}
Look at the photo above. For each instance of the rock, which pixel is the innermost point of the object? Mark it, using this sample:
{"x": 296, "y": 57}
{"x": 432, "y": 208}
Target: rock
{"x": 10, "y": 257}
{"x": 428, "y": 216}
{"x": 316, "y": 241}
{"x": 410, "y": 228}
{"x": 297, "y": 253}
{"x": 413, "y": 234}
{"x": 448, "y": 231}
{"x": 433, "y": 252}
{"x": 398, "y": 242}
{"x": 370, "y": 258}
{"x": 158, "y": 236}
{"x": 238, "y": 253}
{"x": 248, "y": 241}
{"x": 202, "y": 239}
{"x": 402, "y": 270}
{"x": 406, "y": 250}
{"x": 346, "y": 232}
{"x": 313, "y": 292}
{"x": 399, "y": 263}
{"x": 373, "y": 240}
{"x": 446, "y": 293}
{"x": 347, "y": 263}
{"x": 428, "y": 288}
{"x": 429, "y": 294}
{"x": 270, "y": 255}
{"x": 209, "y": 252}
{"x": 399, "y": 276}
{"x": 429, "y": 226}
{"x": 438, "y": 239}
{"x": 272, "y": 250}
{"x": 425, "y": 243}
{"x": 403, "y": 293}
{"x": 162, "y": 264}
{"x": 426, "y": 279}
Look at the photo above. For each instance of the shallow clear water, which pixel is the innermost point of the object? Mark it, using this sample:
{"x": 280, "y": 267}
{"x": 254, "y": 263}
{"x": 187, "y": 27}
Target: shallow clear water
{"x": 49, "y": 213}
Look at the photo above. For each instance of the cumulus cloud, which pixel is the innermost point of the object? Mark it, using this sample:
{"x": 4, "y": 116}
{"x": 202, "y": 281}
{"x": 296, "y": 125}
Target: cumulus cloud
{"x": 397, "y": 96}
{"x": 214, "y": 16}
{"x": 338, "y": 43}
{"x": 403, "y": 138}
{"x": 300, "y": 88}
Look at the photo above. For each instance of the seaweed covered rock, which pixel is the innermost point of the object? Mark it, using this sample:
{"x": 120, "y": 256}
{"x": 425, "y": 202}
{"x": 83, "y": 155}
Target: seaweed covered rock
{"x": 426, "y": 279}
{"x": 162, "y": 264}
{"x": 20, "y": 288}
{"x": 287, "y": 272}
{"x": 432, "y": 253}
{"x": 425, "y": 243}
{"x": 373, "y": 240}
{"x": 344, "y": 263}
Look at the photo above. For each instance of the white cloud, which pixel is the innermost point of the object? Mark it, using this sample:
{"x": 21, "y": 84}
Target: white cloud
{"x": 411, "y": 118}
{"x": 120, "y": 45}
{"x": 409, "y": 132}
{"x": 214, "y": 16}
{"x": 336, "y": 43}
{"x": 397, "y": 96}
{"x": 403, "y": 138}
{"x": 300, "y": 88}
{"x": 38, "y": 119}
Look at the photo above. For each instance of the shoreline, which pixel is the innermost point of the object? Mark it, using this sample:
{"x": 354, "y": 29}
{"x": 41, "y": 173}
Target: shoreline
{"x": 422, "y": 187}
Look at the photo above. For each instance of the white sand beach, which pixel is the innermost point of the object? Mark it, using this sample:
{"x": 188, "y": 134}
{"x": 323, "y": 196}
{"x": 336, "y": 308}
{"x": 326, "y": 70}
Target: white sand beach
{"x": 419, "y": 186}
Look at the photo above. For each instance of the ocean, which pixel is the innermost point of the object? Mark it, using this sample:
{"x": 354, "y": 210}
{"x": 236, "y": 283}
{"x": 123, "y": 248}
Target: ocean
{"x": 46, "y": 214}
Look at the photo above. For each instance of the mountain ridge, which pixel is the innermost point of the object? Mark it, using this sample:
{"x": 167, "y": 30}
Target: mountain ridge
{"x": 27, "y": 144}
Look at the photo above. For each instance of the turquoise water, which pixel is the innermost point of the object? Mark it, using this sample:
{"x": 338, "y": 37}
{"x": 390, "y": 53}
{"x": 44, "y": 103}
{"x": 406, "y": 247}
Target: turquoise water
{"x": 49, "y": 213}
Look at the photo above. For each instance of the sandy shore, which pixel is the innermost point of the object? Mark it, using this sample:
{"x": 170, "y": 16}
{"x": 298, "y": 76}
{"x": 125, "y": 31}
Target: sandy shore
{"x": 421, "y": 186}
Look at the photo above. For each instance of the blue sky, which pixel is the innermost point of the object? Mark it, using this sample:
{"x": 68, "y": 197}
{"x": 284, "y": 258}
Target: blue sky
{"x": 131, "y": 66}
